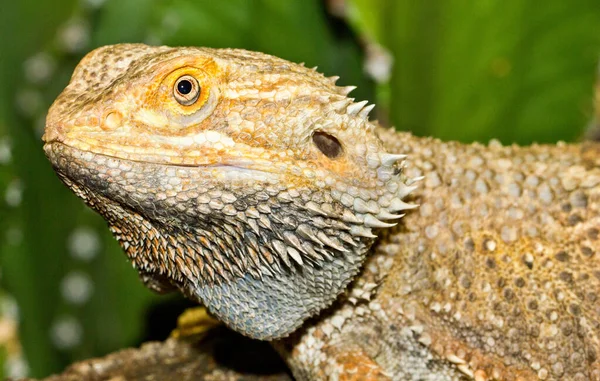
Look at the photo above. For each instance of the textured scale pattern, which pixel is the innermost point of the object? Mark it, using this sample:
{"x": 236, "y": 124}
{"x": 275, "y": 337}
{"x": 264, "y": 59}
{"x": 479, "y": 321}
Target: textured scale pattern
{"x": 297, "y": 239}
{"x": 509, "y": 263}
{"x": 227, "y": 199}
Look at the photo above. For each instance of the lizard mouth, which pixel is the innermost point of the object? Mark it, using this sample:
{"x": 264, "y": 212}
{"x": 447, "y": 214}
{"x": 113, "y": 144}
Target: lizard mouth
{"x": 92, "y": 170}
{"x": 59, "y": 152}
{"x": 204, "y": 148}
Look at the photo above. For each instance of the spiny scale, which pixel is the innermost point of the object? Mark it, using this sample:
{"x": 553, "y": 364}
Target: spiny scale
{"x": 354, "y": 108}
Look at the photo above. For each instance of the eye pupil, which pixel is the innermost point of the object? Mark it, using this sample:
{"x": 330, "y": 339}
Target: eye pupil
{"x": 184, "y": 87}
{"x": 186, "y": 90}
{"x": 327, "y": 144}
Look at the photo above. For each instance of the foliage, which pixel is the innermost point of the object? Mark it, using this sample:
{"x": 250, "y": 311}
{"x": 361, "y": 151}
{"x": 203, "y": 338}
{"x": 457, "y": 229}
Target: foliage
{"x": 509, "y": 69}
{"x": 520, "y": 71}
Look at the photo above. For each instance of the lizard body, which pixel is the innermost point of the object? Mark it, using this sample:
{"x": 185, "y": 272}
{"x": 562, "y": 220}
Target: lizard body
{"x": 258, "y": 188}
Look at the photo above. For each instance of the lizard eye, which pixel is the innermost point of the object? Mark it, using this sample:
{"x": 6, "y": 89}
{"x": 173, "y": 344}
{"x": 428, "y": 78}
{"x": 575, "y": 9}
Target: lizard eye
{"x": 327, "y": 144}
{"x": 186, "y": 90}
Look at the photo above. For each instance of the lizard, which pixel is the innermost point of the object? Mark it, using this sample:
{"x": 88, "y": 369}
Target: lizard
{"x": 258, "y": 188}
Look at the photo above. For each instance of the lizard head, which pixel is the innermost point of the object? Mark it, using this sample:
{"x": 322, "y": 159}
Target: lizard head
{"x": 252, "y": 184}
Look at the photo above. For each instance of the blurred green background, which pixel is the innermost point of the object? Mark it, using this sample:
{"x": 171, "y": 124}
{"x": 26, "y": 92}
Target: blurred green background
{"x": 517, "y": 70}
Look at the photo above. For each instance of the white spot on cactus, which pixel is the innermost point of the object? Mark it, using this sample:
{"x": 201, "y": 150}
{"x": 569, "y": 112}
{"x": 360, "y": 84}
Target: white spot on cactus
{"x": 74, "y": 36}
{"x": 39, "y": 68}
{"x": 66, "y": 332}
{"x": 76, "y": 287}
{"x": 84, "y": 243}
{"x": 16, "y": 367}
{"x": 378, "y": 63}
{"x": 5, "y": 151}
{"x": 94, "y": 3}
{"x": 14, "y": 193}
{"x": 9, "y": 307}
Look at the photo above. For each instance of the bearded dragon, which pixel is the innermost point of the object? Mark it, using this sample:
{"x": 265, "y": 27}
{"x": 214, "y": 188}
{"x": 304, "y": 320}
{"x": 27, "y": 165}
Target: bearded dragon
{"x": 258, "y": 188}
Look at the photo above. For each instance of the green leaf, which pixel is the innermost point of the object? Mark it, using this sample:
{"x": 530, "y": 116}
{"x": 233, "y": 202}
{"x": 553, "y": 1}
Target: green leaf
{"x": 515, "y": 70}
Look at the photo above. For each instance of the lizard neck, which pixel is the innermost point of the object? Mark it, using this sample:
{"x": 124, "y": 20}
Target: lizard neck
{"x": 251, "y": 279}
{"x": 258, "y": 295}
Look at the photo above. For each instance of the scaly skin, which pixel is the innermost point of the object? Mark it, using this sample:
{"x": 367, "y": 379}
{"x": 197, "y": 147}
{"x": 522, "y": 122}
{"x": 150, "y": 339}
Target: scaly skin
{"x": 268, "y": 193}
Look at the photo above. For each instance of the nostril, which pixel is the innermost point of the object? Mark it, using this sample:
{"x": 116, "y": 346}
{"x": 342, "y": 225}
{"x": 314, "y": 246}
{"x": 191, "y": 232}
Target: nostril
{"x": 112, "y": 120}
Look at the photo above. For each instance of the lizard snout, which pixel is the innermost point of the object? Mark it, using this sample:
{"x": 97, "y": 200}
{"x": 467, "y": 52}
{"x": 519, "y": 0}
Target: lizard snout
{"x": 53, "y": 132}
